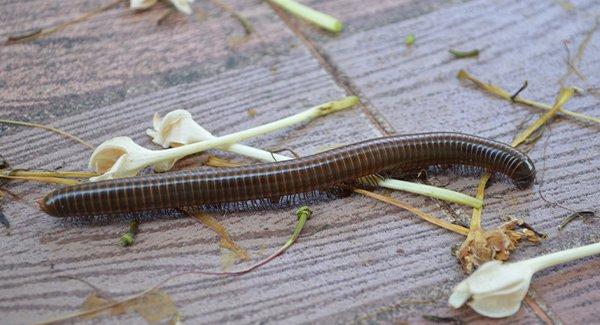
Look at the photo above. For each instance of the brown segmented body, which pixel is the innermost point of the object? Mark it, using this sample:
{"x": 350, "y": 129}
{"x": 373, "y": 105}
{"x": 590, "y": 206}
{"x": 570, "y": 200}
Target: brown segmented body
{"x": 274, "y": 180}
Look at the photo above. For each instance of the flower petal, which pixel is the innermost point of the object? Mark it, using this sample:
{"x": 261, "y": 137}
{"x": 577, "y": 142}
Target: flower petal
{"x": 109, "y": 156}
{"x": 177, "y": 128}
{"x": 141, "y": 4}
{"x": 183, "y": 6}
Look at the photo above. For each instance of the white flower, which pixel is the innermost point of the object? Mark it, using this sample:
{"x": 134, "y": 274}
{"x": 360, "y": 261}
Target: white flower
{"x": 497, "y": 289}
{"x": 177, "y": 128}
{"x": 181, "y": 5}
{"x": 116, "y": 158}
{"x": 121, "y": 157}
{"x": 141, "y": 4}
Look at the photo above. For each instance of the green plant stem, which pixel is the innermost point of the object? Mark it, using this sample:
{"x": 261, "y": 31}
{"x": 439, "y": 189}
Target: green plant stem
{"x": 318, "y": 18}
{"x": 129, "y": 237}
{"x": 133, "y": 164}
{"x": 548, "y": 260}
{"x": 431, "y": 191}
{"x": 464, "y": 54}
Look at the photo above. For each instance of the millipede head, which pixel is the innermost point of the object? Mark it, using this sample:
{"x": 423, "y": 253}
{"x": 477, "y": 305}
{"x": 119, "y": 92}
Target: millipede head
{"x": 524, "y": 175}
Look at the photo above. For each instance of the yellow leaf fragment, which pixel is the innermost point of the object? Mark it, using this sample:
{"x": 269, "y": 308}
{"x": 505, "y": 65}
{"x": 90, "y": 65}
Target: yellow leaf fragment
{"x": 51, "y": 180}
{"x": 564, "y": 95}
{"x": 93, "y": 301}
{"x": 499, "y": 92}
{"x": 492, "y": 89}
{"x": 427, "y": 217}
{"x": 220, "y": 162}
{"x": 225, "y": 239}
{"x": 154, "y": 306}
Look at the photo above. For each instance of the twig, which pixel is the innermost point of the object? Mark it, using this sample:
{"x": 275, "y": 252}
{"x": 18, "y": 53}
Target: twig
{"x": 248, "y": 29}
{"x": 512, "y": 98}
{"x": 43, "y": 32}
{"x": 49, "y": 128}
{"x": 499, "y": 92}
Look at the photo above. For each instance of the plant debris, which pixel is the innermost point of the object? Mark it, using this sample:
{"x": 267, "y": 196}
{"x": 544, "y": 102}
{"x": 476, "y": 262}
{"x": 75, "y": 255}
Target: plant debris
{"x": 572, "y": 62}
{"x": 225, "y": 239}
{"x": 248, "y": 29}
{"x": 44, "y": 176}
{"x": 37, "y": 33}
{"x": 55, "y": 130}
{"x": 155, "y": 305}
{"x": 497, "y": 289}
{"x": 499, "y": 92}
{"x": 464, "y": 54}
{"x": 427, "y": 217}
{"x": 322, "y": 20}
{"x": 564, "y": 95}
{"x": 443, "y": 319}
{"x": 512, "y": 98}
{"x": 251, "y": 112}
{"x": 585, "y": 215}
{"x": 129, "y": 237}
{"x": 482, "y": 245}
{"x": 486, "y": 245}
{"x": 409, "y": 40}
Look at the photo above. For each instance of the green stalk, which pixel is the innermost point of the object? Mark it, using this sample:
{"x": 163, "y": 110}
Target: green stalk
{"x": 431, "y": 191}
{"x": 318, "y": 18}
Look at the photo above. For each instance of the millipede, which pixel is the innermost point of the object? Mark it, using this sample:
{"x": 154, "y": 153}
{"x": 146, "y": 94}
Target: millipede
{"x": 343, "y": 167}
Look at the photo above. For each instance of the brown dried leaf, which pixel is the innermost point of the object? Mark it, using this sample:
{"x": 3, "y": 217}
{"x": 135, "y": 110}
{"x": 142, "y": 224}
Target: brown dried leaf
{"x": 93, "y": 301}
{"x": 154, "y": 306}
{"x": 485, "y": 245}
{"x": 225, "y": 239}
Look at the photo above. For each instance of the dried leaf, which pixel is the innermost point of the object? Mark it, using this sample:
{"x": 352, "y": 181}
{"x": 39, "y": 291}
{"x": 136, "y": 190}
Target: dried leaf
{"x": 485, "y": 245}
{"x": 427, "y": 217}
{"x": 225, "y": 239}
{"x": 93, "y": 301}
{"x": 251, "y": 112}
{"x": 564, "y": 95}
{"x": 154, "y": 306}
{"x": 220, "y": 162}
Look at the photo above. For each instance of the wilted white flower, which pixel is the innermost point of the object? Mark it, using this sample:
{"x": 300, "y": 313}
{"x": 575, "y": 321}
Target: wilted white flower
{"x": 497, "y": 289}
{"x": 177, "y": 128}
{"x": 121, "y": 157}
{"x": 116, "y": 157}
{"x": 181, "y": 5}
{"x": 141, "y": 4}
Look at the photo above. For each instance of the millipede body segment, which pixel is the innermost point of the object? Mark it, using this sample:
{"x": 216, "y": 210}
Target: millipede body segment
{"x": 338, "y": 167}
